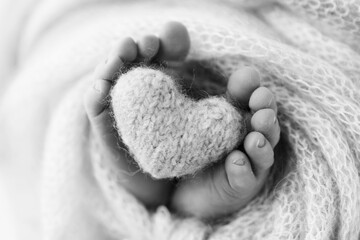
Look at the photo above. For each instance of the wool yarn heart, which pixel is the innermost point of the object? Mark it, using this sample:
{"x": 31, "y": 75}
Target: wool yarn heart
{"x": 170, "y": 134}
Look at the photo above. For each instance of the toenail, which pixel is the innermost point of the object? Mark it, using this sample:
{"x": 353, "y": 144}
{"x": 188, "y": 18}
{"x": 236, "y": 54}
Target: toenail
{"x": 96, "y": 86}
{"x": 275, "y": 119}
{"x": 261, "y": 142}
{"x": 239, "y": 161}
{"x": 99, "y": 86}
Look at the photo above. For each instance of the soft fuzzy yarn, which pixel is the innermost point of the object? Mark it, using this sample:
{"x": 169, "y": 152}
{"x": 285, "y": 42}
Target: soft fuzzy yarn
{"x": 169, "y": 134}
{"x": 308, "y": 54}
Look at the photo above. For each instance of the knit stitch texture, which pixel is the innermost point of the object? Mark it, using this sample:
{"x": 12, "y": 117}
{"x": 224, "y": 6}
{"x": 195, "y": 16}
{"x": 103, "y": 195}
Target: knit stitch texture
{"x": 169, "y": 134}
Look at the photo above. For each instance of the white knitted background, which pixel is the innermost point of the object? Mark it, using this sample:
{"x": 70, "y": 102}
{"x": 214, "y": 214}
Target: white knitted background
{"x": 308, "y": 54}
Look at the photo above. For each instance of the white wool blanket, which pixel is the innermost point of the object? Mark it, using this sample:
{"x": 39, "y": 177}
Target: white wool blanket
{"x": 308, "y": 54}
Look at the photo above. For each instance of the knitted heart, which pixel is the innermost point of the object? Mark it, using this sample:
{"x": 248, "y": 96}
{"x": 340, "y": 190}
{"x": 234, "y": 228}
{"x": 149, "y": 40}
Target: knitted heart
{"x": 169, "y": 134}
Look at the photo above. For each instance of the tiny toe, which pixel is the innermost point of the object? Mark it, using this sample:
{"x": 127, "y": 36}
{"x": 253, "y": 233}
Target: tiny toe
{"x": 239, "y": 172}
{"x": 242, "y": 83}
{"x": 109, "y": 69}
{"x": 125, "y": 49}
{"x": 260, "y": 153}
{"x": 95, "y": 98}
{"x": 148, "y": 47}
{"x": 174, "y": 42}
{"x": 266, "y": 122}
{"x": 262, "y": 98}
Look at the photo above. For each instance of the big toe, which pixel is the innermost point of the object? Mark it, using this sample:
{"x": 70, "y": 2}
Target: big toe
{"x": 260, "y": 153}
{"x": 174, "y": 42}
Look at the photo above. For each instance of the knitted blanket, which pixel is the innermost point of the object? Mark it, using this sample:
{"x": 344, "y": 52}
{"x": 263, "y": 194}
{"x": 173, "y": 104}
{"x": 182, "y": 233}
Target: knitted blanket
{"x": 308, "y": 54}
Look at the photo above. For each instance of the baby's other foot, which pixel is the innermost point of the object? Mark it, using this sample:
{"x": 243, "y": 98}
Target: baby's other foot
{"x": 229, "y": 186}
{"x": 172, "y": 45}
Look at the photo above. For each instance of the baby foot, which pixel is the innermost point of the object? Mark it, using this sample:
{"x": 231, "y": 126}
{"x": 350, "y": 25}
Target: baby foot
{"x": 172, "y": 45}
{"x": 231, "y": 185}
